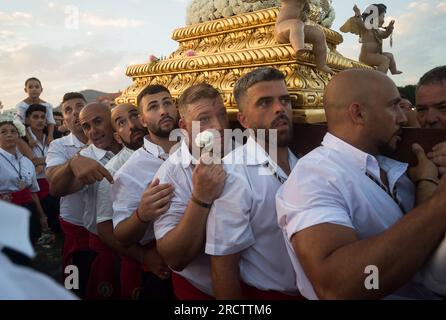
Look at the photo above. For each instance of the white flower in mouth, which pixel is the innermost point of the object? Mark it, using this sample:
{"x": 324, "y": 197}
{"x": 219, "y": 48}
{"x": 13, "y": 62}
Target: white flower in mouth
{"x": 205, "y": 140}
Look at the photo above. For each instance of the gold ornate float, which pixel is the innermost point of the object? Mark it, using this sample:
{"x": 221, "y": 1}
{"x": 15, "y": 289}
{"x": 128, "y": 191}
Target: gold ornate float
{"x": 226, "y": 49}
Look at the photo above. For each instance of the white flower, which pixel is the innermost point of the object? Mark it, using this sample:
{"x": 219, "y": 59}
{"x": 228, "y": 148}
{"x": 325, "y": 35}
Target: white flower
{"x": 205, "y": 140}
{"x": 8, "y": 117}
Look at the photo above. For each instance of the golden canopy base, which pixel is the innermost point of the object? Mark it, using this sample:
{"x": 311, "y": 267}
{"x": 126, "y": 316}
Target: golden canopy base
{"x": 226, "y": 49}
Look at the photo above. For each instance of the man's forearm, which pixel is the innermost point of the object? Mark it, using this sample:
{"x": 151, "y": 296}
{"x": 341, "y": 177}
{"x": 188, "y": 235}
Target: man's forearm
{"x": 425, "y": 190}
{"x": 50, "y": 130}
{"x": 131, "y": 230}
{"x": 225, "y": 277}
{"x": 62, "y": 180}
{"x": 398, "y": 253}
{"x": 186, "y": 241}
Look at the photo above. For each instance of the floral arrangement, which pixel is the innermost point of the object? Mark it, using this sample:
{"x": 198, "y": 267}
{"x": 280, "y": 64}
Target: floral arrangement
{"x": 8, "y": 117}
{"x": 207, "y": 10}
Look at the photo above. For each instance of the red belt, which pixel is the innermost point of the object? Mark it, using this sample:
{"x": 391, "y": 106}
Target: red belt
{"x": 44, "y": 188}
{"x": 131, "y": 278}
{"x": 21, "y": 197}
{"x": 184, "y": 290}
{"x": 76, "y": 239}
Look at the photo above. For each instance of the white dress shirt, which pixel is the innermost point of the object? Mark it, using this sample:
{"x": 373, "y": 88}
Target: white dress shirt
{"x": 18, "y": 282}
{"x": 22, "y": 106}
{"x": 132, "y": 180}
{"x": 243, "y": 219}
{"x": 177, "y": 171}
{"x": 104, "y": 201}
{"x": 330, "y": 185}
{"x": 59, "y": 152}
{"x": 90, "y": 192}
{"x": 40, "y": 150}
{"x": 10, "y": 166}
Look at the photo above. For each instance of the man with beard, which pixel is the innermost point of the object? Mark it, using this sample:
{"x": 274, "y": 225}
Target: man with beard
{"x": 248, "y": 253}
{"x": 137, "y": 200}
{"x": 181, "y": 231}
{"x": 130, "y": 133}
{"x": 347, "y": 210}
{"x": 431, "y": 109}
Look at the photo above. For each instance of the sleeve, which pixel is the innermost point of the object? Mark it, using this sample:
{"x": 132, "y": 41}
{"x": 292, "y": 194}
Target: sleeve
{"x": 168, "y": 221}
{"x": 311, "y": 196}
{"x": 49, "y": 114}
{"x": 104, "y": 205}
{"x": 353, "y": 25}
{"x": 34, "y": 185}
{"x": 433, "y": 275}
{"x": 229, "y": 228}
{"x": 126, "y": 193}
{"x": 56, "y": 155}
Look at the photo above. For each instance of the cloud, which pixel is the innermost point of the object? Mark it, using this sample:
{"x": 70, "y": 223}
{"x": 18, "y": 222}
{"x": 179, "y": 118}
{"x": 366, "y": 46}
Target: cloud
{"x": 97, "y": 21}
{"x": 11, "y": 41}
{"x": 15, "y": 19}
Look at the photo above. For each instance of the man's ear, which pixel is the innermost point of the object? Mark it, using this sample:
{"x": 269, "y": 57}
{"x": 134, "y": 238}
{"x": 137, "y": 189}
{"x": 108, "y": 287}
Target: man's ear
{"x": 142, "y": 120}
{"x": 357, "y": 113}
{"x": 117, "y": 138}
{"x": 243, "y": 120}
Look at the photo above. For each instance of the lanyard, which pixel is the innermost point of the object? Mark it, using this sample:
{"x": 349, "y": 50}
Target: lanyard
{"x": 42, "y": 150}
{"x": 279, "y": 178}
{"x": 12, "y": 165}
{"x": 393, "y": 195}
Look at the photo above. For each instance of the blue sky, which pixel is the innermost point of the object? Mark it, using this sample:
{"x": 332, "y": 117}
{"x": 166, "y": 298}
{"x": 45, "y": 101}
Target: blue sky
{"x": 38, "y": 39}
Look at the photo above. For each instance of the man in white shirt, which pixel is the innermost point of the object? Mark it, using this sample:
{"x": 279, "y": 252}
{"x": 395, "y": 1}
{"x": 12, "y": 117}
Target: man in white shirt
{"x": 59, "y": 173}
{"x": 95, "y": 119}
{"x": 248, "y": 252}
{"x": 18, "y": 282}
{"x": 181, "y": 231}
{"x": 348, "y": 210}
{"x": 137, "y": 200}
{"x": 130, "y": 133}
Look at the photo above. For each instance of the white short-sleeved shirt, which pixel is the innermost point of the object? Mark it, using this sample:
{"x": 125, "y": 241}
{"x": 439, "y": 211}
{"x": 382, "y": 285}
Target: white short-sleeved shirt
{"x": 90, "y": 192}
{"x": 104, "y": 202}
{"x": 132, "y": 180}
{"x": 10, "y": 166}
{"x": 330, "y": 185}
{"x": 17, "y": 282}
{"x": 177, "y": 171}
{"x": 243, "y": 219}
{"x": 40, "y": 150}
{"x": 22, "y": 106}
{"x": 59, "y": 152}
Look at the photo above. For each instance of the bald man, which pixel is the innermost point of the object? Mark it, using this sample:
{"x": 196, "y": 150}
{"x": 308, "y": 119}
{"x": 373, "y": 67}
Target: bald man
{"x": 347, "y": 209}
{"x": 95, "y": 119}
{"x": 130, "y": 133}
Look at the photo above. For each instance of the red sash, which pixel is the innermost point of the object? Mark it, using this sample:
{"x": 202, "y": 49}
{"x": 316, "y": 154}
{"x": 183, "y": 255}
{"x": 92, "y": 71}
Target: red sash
{"x": 252, "y": 293}
{"x": 44, "y": 188}
{"x": 21, "y": 197}
{"x": 131, "y": 278}
{"x": 184, "y": 290}
{"x": 76, "y": 239}
{"x": 103, "y": 282}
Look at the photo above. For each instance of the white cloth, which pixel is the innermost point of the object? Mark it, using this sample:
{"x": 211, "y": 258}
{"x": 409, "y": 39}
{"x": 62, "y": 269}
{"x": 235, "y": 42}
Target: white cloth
{"x": 177, "y": 171}
{"x": 243, "y": 219}
{"x": 22, "y": 106}
{"x": 90, "y": 192}
{"x": 433, "y": 275}
{"x": 104, "y": 204}
{"x": 40, "y": 150}
{"x": 59, "y": 152}
{"x": 17, "y": 282}
{"x": 330, "y": 185}
{"x": 9, "y": 176}
{"x": 132, "y": 180}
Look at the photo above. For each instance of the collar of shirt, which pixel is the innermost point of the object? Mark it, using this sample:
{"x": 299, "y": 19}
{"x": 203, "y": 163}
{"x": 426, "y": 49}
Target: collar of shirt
{"x": 14, "y": 226}
{"x": 154, "y": 149}
{"x": 35, "y": 138}
{"x": 11, "y": 157}
{"x": 71, "y": 140}
{"x": 257, "y": 156}
{"x": 96, "y": 153}
{"x": 366, "y": 162}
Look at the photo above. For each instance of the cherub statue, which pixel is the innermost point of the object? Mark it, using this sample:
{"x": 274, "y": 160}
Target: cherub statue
{"x": 291, "y": 27}
{"x": 371, "y": 36}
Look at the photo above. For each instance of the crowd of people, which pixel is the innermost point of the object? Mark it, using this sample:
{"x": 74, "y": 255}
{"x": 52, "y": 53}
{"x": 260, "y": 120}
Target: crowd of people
{"x": 145, "y": 216}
